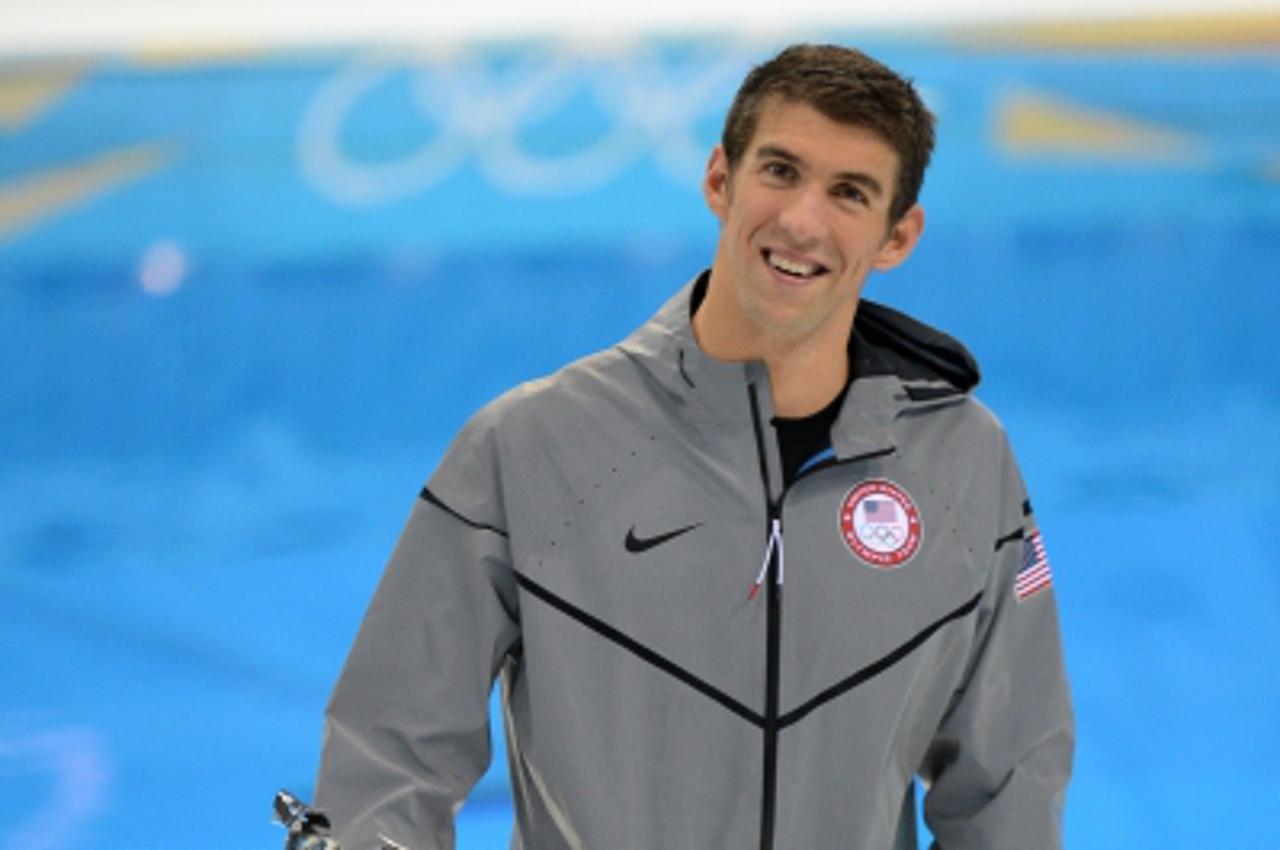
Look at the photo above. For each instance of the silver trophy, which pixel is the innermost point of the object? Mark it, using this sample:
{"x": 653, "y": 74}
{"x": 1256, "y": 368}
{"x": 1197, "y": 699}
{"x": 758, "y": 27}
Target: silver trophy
{"x": 308, "y": 828}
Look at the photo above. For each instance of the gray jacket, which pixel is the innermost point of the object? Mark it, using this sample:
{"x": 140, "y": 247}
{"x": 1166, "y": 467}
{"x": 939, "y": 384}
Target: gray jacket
{"x": 692, "y": 656}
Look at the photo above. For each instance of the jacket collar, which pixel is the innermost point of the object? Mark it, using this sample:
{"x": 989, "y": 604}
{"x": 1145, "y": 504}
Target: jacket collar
{"x": 666, "y": 347}
{"x": 898, "y": 363}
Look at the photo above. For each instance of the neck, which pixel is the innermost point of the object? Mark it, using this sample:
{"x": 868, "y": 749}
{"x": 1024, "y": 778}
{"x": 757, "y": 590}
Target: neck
{"x": 802, "y": 384}
{"x": 805, "y": 372}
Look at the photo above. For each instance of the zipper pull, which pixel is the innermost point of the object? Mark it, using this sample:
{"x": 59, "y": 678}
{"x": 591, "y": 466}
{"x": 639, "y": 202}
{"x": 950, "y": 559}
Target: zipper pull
{"x": 774, "y": 542}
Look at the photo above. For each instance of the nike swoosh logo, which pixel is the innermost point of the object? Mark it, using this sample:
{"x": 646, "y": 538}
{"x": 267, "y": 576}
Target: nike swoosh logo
{"x": 637, "y": 545}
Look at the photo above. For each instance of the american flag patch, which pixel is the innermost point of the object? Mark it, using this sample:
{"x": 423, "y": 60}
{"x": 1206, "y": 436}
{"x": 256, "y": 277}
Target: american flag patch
{"x": 880, "y": 510}
{"x": 1033, "y": 573}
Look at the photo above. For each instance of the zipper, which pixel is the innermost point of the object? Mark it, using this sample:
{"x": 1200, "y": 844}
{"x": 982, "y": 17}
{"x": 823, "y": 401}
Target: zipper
{"x": 771, "y": 576}
{"x": 773, "y": 680}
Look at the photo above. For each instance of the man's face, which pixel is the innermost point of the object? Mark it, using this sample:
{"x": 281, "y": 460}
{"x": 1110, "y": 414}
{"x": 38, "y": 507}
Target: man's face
{"x": 804, "y": 218}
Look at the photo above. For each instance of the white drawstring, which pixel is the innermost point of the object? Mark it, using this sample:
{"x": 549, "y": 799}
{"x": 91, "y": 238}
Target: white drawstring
{"x": 782, "y": 554}
{"x": 775, "y": 541}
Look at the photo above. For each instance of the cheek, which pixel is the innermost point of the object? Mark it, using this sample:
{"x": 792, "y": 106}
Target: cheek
{"x": 744, "y": 235}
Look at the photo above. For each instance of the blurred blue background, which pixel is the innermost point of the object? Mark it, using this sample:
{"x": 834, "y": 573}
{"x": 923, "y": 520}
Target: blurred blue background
{"x": 247, "y": 299}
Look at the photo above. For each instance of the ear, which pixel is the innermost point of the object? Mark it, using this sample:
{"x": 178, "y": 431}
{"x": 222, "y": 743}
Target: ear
{"x": 902, "y": 239}
{"x": 715, "y": 184}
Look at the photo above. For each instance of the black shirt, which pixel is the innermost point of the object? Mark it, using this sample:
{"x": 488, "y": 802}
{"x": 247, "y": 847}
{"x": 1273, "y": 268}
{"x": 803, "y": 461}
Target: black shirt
{"x": 806, "y": 440}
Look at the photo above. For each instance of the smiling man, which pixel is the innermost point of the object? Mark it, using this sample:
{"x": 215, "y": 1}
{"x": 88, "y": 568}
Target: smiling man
{"x": 805, "y": 215}
{"x": 745, "y": 575}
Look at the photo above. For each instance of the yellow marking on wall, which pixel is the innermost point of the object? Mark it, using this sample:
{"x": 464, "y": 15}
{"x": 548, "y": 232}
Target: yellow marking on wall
{"x": 1035, "y": 125}
{"x": 33, "y": 198}
{"x": 178, "y": 55}
{"x": 26, "y": 92}
{"x": 1191, "y": 32}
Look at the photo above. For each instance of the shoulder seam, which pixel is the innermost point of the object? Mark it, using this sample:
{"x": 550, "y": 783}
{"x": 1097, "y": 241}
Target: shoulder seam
{"x": 1010, "y": 537}
{"x": 427, "y": 496}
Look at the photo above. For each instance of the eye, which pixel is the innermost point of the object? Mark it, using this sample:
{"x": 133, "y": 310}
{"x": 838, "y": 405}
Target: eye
{"x": 850, "y": 192}
{"x": 783, "y": 172}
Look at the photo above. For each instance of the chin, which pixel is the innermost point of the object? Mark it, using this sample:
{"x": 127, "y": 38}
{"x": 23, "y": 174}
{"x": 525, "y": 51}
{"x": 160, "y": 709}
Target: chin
{"x": 781, "y": 324}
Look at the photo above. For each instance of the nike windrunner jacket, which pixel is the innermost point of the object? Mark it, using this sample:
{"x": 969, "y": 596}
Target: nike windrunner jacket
{"x": 694, "y": 657}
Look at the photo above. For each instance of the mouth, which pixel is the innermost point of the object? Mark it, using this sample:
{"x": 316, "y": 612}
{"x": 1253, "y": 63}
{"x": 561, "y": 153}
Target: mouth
{"x": 793, "y": 268}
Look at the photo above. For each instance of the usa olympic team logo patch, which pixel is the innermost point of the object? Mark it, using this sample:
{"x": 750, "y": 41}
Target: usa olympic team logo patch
{"x": 880, "y": 524}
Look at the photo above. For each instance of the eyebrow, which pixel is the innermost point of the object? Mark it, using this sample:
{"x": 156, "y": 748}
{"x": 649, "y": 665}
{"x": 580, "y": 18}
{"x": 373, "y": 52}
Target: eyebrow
{"x": 859, "y": 177}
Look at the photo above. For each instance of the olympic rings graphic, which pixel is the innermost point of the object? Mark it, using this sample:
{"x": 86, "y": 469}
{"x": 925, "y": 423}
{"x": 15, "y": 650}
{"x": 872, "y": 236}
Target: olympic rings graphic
{"x": 885, "y": 535}
{"x": 653, "y": 107}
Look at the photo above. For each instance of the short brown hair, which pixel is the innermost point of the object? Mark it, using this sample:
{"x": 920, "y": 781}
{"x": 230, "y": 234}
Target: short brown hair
{"x": 849, "y": 87}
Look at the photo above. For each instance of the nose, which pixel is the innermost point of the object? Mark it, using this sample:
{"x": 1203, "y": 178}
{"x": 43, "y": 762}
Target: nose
{"x": 803, "y": 217}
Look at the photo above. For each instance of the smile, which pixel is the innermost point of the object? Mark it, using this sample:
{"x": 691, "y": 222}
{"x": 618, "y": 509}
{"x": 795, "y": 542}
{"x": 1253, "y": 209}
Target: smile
{"x": 798, "y": 269}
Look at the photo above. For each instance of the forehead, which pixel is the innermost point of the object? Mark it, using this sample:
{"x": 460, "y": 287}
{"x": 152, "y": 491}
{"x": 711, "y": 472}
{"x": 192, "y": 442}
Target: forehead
{"x": 823, "y": 144}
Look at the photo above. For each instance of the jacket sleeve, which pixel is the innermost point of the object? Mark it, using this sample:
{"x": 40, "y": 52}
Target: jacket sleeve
{"x": 407, "y": 726}
{"x": 997, "y": 769}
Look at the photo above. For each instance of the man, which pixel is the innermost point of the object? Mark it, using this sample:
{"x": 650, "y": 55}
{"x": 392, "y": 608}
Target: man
{"x": 744, "y": 575}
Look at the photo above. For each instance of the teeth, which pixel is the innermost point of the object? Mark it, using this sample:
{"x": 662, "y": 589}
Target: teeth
{"x": 792, "y": 267}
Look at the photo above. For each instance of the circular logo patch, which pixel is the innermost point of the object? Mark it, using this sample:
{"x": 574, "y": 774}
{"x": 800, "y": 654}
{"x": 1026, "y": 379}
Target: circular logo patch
{"x": 880, "y": 524}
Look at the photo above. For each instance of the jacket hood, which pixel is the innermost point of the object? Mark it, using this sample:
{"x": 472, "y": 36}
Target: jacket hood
{"x": 929, "y": 362}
